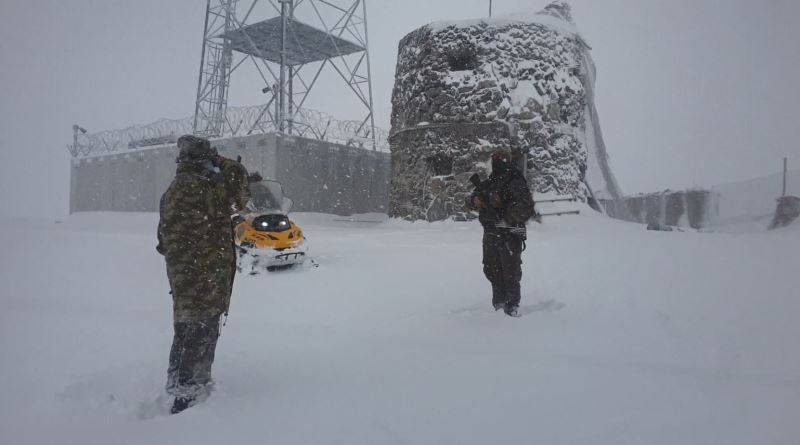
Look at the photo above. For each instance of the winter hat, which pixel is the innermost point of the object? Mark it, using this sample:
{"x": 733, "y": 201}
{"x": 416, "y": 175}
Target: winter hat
{"x": 194, "y": 149}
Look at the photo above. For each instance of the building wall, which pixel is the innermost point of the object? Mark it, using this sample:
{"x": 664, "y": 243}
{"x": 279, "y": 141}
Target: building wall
{"x": 431, "y": 166}
{"x": 318, "y": 176}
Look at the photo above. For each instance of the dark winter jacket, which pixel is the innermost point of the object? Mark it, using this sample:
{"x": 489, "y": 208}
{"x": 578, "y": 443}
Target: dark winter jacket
{"x": 195, "y": 237}
{"x": 515, "y": 198}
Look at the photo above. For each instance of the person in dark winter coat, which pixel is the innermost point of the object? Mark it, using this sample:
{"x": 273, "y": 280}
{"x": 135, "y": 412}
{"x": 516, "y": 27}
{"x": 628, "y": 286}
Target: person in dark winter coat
{"x": 196, "y": 239}
{"x": 505, "y": 204}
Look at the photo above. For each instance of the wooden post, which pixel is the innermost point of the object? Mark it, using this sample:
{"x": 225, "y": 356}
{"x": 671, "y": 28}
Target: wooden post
{"x": 490, "y": 8}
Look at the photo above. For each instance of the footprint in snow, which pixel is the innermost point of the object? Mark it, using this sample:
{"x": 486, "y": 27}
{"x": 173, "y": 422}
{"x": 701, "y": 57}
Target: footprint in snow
{"x": 549, "y": 305}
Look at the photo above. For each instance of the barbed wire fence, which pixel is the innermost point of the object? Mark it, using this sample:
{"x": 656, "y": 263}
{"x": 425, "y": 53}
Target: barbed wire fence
{"x": 239, "y": 121}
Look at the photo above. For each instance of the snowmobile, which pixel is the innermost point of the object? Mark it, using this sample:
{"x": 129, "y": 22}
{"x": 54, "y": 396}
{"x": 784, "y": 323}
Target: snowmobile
{"x": 265, "y": 237}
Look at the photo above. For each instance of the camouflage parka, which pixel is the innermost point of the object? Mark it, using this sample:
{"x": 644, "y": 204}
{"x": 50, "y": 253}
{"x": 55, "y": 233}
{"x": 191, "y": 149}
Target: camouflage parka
{"x": 196, "y": 239}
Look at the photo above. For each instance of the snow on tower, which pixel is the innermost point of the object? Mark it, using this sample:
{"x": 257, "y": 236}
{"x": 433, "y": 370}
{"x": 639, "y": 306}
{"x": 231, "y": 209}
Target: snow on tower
{"x": 463, "y": 89}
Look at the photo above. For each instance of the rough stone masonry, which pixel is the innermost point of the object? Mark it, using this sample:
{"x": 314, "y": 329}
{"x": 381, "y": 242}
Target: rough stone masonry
{"x": 463, "y": 89}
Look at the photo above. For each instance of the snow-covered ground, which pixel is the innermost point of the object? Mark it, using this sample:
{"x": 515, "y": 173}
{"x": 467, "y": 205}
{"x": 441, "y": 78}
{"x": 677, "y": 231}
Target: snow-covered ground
{"x": 633, "y": 337}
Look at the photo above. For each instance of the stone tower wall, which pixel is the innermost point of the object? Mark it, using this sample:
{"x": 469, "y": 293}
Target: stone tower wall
{"x": 463, "y": 89}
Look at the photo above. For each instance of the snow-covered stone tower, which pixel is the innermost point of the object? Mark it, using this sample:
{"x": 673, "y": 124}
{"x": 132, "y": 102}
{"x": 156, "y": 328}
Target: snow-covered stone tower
{"x": 463, "y": 89}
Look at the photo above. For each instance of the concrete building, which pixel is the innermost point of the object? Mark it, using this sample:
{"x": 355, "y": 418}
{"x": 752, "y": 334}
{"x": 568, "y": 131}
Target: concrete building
{"x": 318, "y": 176}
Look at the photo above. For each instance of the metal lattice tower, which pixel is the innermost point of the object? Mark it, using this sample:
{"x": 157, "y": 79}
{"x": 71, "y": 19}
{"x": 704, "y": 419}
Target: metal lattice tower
{"x": 215, "y": 69}
{"x": 289, "y": 55}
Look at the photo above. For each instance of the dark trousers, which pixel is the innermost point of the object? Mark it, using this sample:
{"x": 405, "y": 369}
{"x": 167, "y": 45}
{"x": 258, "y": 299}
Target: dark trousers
{"x": 191, "y": 356}
{"x": 502, "y": 265}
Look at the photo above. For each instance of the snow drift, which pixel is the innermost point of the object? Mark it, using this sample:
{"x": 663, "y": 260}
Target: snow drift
{"x": 631, "y": 337}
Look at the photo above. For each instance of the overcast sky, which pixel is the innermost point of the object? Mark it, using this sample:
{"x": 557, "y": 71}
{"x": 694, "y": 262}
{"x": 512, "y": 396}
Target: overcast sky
{"x": 690, "y": 92}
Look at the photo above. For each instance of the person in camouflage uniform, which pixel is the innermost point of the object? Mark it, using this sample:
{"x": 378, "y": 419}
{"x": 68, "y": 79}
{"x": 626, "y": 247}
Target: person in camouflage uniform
{"x": 505, "y": 204}
{"x": 196, "y": 239}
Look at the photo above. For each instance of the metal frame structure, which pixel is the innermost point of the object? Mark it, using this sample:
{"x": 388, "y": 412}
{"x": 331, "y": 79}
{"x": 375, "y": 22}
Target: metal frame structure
{"x": 215, "y": 69}
{"x": 289, "y": 55}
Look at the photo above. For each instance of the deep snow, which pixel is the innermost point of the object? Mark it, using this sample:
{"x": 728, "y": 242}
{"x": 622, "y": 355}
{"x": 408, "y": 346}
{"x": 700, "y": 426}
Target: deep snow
{"x": 634, "y": 337}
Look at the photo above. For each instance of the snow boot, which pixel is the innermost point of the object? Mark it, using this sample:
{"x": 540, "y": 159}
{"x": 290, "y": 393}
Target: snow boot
{"x": 180, "y": 404}
{"x": 498, "y": 306}
{"x": 512, "y": 311}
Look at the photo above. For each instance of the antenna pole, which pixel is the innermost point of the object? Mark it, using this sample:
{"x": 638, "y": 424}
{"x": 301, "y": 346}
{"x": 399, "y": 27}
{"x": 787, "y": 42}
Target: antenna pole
{"x": 785, "y": 167}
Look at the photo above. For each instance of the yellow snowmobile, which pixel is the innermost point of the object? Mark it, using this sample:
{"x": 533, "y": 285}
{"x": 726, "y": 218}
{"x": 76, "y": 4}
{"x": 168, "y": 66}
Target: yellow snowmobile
{"x": 265, "y": 237}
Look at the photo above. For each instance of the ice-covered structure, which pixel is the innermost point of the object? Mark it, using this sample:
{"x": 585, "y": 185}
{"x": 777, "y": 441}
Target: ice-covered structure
{"x": 695, "y": 208}
{"x": 462, "y": 89}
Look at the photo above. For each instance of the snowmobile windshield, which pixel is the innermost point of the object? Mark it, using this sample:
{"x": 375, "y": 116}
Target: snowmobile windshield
{"x": 266, "y": 196}
{"x": 271, "y": 223}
